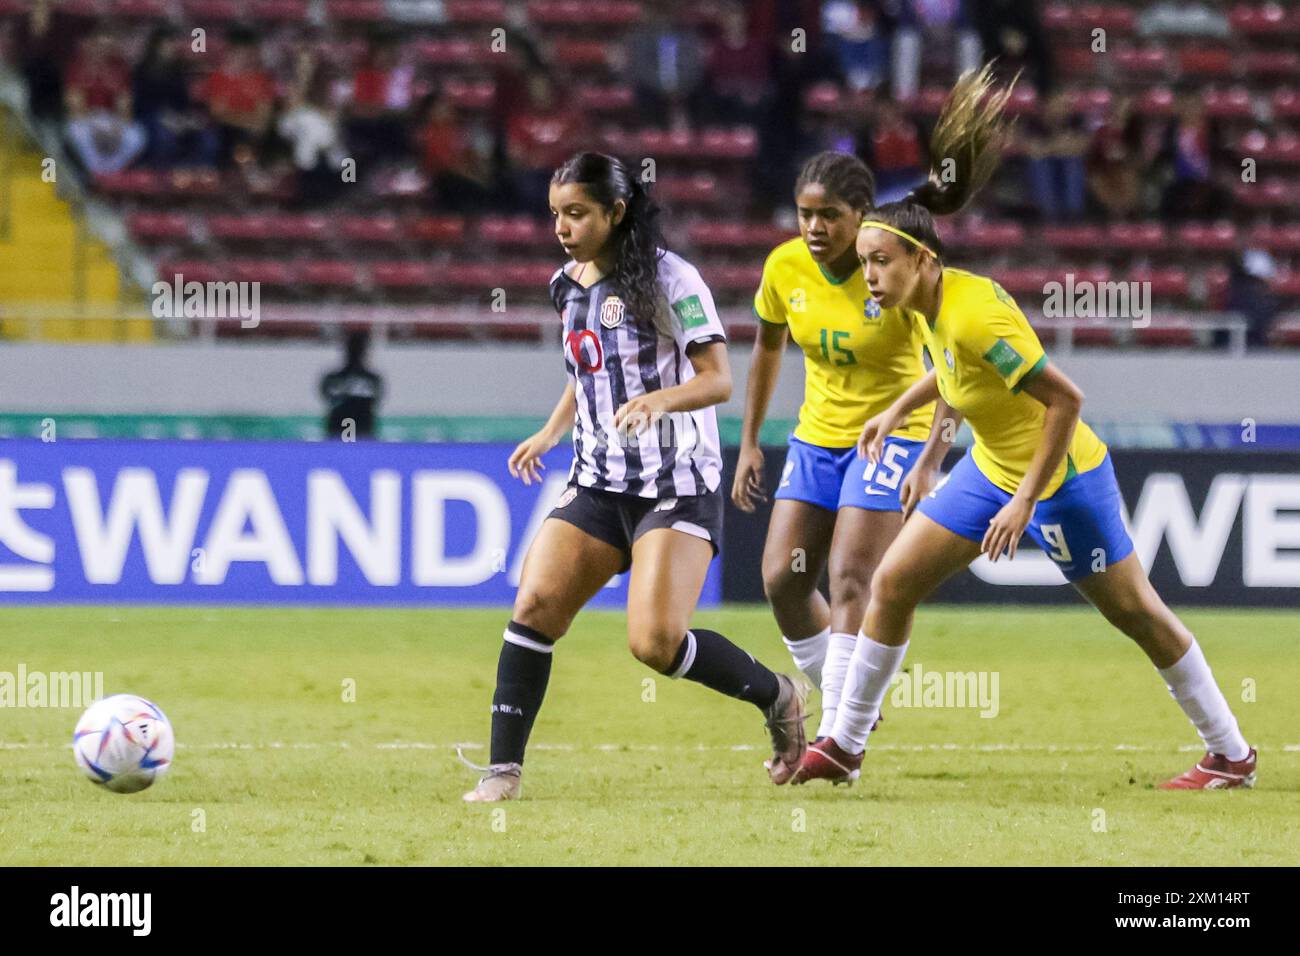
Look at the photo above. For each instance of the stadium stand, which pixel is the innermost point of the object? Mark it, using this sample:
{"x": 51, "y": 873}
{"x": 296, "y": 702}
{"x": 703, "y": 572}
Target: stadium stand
{"x": 1183, "y": 150}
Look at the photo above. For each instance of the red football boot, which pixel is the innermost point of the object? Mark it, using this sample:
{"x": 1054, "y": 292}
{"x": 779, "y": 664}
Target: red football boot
{"x": 1216, "y": 772}
{"x": 825, "y": 760}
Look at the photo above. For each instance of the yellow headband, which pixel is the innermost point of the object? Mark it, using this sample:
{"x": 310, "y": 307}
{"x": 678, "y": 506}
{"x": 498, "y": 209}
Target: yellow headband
{"x": 876, "y": 224}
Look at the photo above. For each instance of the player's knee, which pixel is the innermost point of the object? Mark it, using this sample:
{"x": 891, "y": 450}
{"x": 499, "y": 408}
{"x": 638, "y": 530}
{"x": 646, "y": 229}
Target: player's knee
{"x": 781, "y": 582}
{"x": 655, "y": 646}
{"x": 890, "y": 587}
{"x": 848, "y": 588}
{"x": 540, "y": 612}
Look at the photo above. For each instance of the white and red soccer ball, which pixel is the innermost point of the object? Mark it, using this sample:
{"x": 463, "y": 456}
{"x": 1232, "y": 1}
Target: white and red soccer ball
{"x": 123, "y": 743}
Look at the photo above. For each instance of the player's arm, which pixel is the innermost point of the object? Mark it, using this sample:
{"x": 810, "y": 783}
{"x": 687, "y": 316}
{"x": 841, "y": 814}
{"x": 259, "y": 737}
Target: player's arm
{"x": 711, "y": 385}
{"x": 1063, "y": 402}
{"x": 872, "y": 440}
{"x": 525, "y": 462}
{"x": 919, "y": 481}
{"x": 764, "y": 370}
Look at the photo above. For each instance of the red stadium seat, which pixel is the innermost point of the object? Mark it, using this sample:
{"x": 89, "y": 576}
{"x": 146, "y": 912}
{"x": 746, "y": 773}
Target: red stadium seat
{"x": 823, "y": 98}
{"x": 579, "y": 14}
{"x": 708, "y": 234}
{"x": 283, "y": 11}
{"x": 1166, "y": 284}
{"x": 1285, "y": 332}
{"x": 445, "y": 53}
{"x": 1157, "y": 101}
{"x": 725, "y": 277}
{"x": 475, "y": 11}
{"x": 479, "y": 276}
{"x": 738, "y": 143}
{"x": 1279, "y": 239}
{"x": 1073, "y": 237}
{"x": 1287, "y": 285}
{"x": 470, "y": 95}
{"x": 284, "y": 227}
{"x": 701, "y": 189}
{"x": 513, "y": 231}
{"x": 138, "y": 9}
{"x": 371, "y": 230}
{"x": 242, "y": 228}
{"x": 1137, "y": 236}
{"x": 1264, "y": 20}
{"x": 525, "y": 275}
{"x": 666, "y": 143}
{"x": 192, "y": 271}
{"x": 1272, "y": 63}
{"x": 271, "y": 272}
{"x": 360, "y": 11}
{"x": 1167, "y": 332}
{"x": 991, "y": 236}
{"x": 1141, "y": 61}
{"x": 1098, "y": 334}
{"x": 1207, "y": 237}
{"x": 155, "y": 226}
{"x": 605, "y": 99}
{"x": 1206, "y": 61}
{"x": 327, "y": 274}
{"x": 1265, "y": 194}
{"x": 439, "y": 230}
{"x": 409, "y": 274}
{"x": 1095, "y": 100}
{"x": 132, "y": 182}
{"x": 1286, "y": 103}
{"x": 1229, "y": 103}
{"x": 1024, "y": 281}
{"x": 577, "y": 54}
{"x": 209, "y": 10}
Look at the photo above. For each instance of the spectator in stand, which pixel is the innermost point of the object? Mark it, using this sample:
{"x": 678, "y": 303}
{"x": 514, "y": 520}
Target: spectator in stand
{"x": 1012, "y": 34}
{"x": 894, "y": 147}
{"x": 1055, "y": 144}
{"x": 738, "y": 77}
{"x": 856, "y": 36}
{"x": 1192, "y": 144}
{"x": 1183, "y": 18}
{"x": 310, "y": 125}
{"x": 97, "y": 102}
{"x": 1117, "y": 163}
{"x": 241, "y": 97}
{"x": 665, "y": 64}
{"x": 1250, "y": 292}
{"x": 352, "y": 392}
{"x": 179, "y": 133}
{"x": 43, "y": 42}
{"x": 460, "y": 172}
{"x": 538, "y": 139}
{"x": 382, "y": 101}
{"x": 940, "y": 27}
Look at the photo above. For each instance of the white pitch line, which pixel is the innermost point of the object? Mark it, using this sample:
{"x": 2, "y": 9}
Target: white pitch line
{"x": 654, "y": 748}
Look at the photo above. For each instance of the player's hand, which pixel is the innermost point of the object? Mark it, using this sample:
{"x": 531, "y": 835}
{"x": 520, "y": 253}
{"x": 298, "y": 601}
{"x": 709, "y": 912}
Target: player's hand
{"x": 526, "y": 460}
{"x": 639, "y": 413}
{"x": 748, "y": 486}
{"x": 918, "y": 483}
{"x": 871, "y": 443}
{"x": 1006, "y": 528}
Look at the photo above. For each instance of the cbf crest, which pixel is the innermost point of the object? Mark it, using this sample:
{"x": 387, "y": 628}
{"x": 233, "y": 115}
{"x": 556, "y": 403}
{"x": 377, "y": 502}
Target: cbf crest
{"x": 870, "y": 310}
{"x": 611, "y": 312}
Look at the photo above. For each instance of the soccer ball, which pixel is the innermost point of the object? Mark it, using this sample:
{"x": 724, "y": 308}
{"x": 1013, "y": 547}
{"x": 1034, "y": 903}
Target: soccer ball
{"x": 123, "y": 743}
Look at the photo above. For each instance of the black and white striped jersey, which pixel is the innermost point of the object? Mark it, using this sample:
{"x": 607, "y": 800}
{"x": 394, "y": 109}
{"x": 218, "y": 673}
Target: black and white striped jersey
{"x": 612, "y": 358}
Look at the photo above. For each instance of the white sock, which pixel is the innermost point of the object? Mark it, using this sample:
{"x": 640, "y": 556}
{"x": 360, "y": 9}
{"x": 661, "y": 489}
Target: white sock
{"x": 809, "y": 654}
{"x": 1190, "y": 682}
{"x": 871, "y": 668}
{"x": 838, "y": 652}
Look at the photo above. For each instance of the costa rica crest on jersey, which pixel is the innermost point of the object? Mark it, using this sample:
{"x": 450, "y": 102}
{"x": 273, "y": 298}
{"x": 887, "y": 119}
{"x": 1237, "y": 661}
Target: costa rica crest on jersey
{"x": 611, "y": 312}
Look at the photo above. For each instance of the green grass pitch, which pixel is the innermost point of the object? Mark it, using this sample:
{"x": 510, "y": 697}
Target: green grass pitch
{"x": 628, "y": 767}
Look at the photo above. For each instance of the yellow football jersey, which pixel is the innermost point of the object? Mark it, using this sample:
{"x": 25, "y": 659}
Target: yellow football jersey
{"x": 858, "y": 358}
{"x": 986, "y": 352}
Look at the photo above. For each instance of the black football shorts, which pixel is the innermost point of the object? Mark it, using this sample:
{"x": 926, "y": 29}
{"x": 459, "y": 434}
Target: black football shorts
{"x": 620, "y": 519}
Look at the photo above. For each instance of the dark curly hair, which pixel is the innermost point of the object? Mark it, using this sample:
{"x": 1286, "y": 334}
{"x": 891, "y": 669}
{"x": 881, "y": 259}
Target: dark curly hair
{"x": 842, "y": 175}
{"x": 637, "y": 240}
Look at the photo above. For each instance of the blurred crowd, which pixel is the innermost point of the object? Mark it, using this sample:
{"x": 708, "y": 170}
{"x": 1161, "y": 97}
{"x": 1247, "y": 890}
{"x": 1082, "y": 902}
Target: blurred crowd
{"x": 838, "y": 85}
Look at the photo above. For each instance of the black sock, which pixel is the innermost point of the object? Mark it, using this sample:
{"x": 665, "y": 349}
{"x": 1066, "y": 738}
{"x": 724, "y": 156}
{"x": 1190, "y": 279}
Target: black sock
{"x": 522, "y": 673}
{"x": 710, "y": 659}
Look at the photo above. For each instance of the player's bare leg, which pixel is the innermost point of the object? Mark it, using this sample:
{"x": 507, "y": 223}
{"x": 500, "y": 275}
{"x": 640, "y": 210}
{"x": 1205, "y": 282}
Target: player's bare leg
{"x": 922, "y": 557}
{"x": 668, "y": 571}
{"x": 564, "y": 569}
{"x": 798, "y": 542}
{"x": 1125, "y": 596}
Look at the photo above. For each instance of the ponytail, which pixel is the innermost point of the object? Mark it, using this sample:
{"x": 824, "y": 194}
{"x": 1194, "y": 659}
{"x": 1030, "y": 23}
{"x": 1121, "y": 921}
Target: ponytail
{"x": 965, "y": 150}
